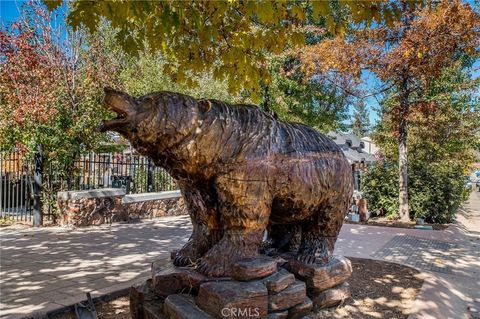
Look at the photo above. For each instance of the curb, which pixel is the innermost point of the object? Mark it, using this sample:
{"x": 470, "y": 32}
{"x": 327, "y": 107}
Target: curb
{"x": 71, "y": 308}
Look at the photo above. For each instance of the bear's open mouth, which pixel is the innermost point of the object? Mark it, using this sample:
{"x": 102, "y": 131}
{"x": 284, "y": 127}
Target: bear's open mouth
{"x": 115, "y": 123}
{"x": 123, "y": 105}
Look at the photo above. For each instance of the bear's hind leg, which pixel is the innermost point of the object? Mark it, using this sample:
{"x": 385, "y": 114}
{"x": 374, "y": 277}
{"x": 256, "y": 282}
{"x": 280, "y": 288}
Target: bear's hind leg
{"x": 315, "y": 246}
{"x": 320, "y": 234}
{"x": 282, "y": 238}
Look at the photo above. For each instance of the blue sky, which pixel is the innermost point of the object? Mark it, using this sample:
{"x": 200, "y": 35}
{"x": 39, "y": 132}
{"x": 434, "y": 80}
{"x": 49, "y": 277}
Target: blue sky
{"x": 9, "y": 13}
{"x": 8, "y": 10}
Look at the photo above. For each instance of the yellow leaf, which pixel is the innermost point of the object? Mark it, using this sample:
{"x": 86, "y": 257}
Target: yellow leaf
{"x": 265, "y": 12}
{"x": 320, "y": 8}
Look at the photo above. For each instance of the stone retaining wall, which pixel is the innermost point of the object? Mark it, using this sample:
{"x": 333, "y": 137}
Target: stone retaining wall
{"x": 156, "y": 208}
{"x": 96, "y": 207}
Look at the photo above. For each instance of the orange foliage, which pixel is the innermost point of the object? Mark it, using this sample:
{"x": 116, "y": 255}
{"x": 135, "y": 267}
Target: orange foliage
{"x": 29, "y": 73}
{"x": 409, "y": 54}
{"x": 419, "y": 45}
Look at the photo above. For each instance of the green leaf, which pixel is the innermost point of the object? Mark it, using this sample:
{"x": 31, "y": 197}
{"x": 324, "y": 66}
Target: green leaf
{"x": 52, "y": 4}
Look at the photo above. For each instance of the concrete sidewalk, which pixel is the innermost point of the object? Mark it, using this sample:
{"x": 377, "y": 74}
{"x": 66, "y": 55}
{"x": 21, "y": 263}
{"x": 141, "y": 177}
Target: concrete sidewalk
{"x": 49, "y": 268}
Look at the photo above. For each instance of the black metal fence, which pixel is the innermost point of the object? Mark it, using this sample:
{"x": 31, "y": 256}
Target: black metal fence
{"x": 16, "y": 197}
{"x": 132, "y": 172}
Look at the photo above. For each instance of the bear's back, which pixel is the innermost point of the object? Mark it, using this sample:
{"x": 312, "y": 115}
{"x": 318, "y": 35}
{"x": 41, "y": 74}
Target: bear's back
{"x": 283, "y": 137}
{"x": 303, "y": 139}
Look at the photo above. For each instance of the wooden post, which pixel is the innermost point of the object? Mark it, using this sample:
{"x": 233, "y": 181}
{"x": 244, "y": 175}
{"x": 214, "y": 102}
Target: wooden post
{"x": 37, "y": 187}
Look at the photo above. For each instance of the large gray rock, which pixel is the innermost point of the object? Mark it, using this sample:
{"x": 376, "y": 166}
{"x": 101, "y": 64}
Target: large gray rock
{"x": 183, "y": 307}
{"x": 321, "y": 277}
{"x": 287, "y": 298}
{"x": 331, "y": 297}
{"x": 168, "y": 279}
{"x": 254, "y": 268}
{"x": 278, "y": 281}
{"x": 234, "y": 299}
{"x": 301, "y": 310}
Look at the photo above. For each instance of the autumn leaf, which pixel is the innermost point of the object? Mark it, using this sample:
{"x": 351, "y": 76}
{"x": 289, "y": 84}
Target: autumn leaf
{"x": 177, "y": 28}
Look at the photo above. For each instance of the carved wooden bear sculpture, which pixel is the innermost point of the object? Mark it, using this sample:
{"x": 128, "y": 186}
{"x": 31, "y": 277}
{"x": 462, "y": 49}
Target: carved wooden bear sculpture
{"x": 240, "y": 171}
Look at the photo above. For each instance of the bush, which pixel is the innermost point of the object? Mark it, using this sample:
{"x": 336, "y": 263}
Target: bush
{"x": 435, "y": 190}
{"x": 380, "y": 186}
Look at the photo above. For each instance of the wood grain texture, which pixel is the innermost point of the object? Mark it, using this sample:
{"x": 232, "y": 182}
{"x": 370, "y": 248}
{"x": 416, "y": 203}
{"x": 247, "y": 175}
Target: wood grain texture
{"x": 240, "y": 171}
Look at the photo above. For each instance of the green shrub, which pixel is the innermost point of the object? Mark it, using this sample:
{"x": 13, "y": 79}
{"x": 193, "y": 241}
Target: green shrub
{"x": 380, "y": 186}
{"x": 435, "y": 190}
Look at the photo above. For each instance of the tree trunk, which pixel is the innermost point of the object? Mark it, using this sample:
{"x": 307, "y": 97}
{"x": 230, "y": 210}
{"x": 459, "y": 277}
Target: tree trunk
{"x": 403, "y": 173}
{"x": 403, "y": 154}
{"x": 266, "y": 99}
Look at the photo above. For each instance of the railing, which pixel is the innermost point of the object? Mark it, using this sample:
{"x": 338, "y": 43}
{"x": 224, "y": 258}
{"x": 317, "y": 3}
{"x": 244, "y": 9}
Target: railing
{"x": 15, "y": 187}
{"x": 134, "y": 173}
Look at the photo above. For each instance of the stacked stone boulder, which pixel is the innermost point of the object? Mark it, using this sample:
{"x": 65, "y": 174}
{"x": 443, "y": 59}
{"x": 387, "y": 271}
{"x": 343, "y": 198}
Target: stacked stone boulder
{"x": 263, "y": 287}
{"x": 326, "y": 284}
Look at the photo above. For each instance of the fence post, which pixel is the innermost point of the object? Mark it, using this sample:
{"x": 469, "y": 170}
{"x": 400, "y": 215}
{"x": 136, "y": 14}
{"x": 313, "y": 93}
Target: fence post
{"x": 37, "y": 187}
{"x": 150, "y": 175}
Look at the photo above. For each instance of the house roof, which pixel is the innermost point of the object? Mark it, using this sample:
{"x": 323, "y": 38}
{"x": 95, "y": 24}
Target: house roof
{"x": 354, "y": 150}
{"x": 355, "y": 156}
{"x": 342, "y": 138}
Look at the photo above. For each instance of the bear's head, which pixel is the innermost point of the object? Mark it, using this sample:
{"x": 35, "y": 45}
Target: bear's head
{"x": 156, "y": 121}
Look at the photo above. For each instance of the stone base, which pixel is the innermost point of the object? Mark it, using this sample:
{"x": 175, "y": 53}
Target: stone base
{"x": 321, "y": 277}
{"x": 331, "y": 297}
{"x": 281, "y": 290}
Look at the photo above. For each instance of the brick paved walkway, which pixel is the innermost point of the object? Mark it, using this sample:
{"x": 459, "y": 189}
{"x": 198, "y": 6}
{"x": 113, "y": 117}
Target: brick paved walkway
{"x": 425, "y": 254}
{"x": 47, "y": 269}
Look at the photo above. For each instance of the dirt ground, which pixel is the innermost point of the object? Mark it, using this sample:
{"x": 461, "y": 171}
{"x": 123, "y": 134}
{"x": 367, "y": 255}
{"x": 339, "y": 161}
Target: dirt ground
{"x": 379, "y": 290}
{"x": 114, "y": 309}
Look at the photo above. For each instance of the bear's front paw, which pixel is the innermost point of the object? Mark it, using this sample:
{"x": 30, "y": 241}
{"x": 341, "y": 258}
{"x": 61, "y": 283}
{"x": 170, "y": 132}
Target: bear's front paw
{"x": 218, "y": 261}
{"x": 213, "y": 268}
{"x": 234, "y": 246}
{"x": 181, "y": 260}
{"x": 188, "y": 255}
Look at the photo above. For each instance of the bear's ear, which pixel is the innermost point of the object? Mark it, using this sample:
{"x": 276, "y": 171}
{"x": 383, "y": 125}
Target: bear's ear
{"x": 151, "y": 100}
{"x": 204, "y": 105}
